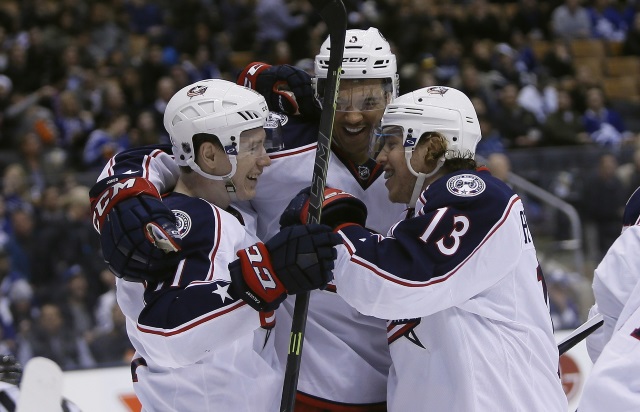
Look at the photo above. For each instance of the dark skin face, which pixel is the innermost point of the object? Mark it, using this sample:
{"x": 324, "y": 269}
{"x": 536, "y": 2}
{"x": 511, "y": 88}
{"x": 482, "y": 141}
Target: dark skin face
{"x": 361, "y": 104}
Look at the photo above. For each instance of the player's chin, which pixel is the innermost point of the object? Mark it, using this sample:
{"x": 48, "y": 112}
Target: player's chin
{"x": 248, "y": 190}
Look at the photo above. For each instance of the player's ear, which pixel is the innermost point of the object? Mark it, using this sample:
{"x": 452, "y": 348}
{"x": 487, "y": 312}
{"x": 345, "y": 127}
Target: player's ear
{"x": 209, "y": 155}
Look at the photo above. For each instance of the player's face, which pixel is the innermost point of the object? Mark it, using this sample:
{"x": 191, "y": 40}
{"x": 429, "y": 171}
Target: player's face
{"x": 252, "y": 159}
{"x": 399, "y": 179}
{"x": 359, "y": 108}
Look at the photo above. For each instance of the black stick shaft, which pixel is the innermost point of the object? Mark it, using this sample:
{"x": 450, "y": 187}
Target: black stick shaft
{"x": 335, "y": 17}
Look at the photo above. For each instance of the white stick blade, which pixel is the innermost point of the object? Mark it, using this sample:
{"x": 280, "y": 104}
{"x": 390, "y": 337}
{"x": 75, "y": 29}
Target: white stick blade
{"x": 41, "y": 387}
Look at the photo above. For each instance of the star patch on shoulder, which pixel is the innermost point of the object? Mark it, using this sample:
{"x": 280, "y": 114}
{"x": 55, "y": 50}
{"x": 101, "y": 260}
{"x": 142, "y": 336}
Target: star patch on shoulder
{"x": 466, "y": 185}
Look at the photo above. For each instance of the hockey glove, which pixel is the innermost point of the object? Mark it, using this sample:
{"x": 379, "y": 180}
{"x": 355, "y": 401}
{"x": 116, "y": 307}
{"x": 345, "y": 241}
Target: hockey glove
{"x": 10, "y": 370}
{"x": 138, "y": 234}
{"x": 287, "y": 89}
{"x": 338, "y": 207}
{"x": 298, "y": 258}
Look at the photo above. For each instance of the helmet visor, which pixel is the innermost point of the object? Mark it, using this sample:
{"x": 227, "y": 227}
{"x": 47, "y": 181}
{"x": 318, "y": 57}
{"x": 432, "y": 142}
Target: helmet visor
{"x": 388, "y": 138}
{"x": 358, "y": 95}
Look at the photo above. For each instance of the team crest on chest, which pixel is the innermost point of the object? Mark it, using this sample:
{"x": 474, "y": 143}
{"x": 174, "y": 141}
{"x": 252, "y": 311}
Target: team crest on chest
{"x": 364, "y": 172}
{"x": 466, "y": 185}
{"x": 183, "y": 222}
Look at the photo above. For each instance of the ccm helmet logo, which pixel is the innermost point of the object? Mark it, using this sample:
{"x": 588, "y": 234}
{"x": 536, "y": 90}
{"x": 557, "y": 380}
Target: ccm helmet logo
{"x": 354, "y": 59}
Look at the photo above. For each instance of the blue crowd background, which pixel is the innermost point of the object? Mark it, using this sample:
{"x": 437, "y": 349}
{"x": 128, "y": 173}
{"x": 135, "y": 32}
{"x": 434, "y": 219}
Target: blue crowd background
{"x": 556, "y": 85}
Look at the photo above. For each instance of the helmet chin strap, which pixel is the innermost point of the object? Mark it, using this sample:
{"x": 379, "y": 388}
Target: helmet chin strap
{"x": 421, "y": 177}
{"x": 228, "y": 183}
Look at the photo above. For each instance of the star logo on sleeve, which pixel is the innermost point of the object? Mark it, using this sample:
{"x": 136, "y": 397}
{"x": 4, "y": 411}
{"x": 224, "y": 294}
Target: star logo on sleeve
{"x": 223, "y": 292}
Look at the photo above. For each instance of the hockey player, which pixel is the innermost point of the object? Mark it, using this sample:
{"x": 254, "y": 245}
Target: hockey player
{"x": 345, "y": 360}
{"x": 202, "y": 335}
{"x": 613, "y": 382}
{"x": 470, "y": 328}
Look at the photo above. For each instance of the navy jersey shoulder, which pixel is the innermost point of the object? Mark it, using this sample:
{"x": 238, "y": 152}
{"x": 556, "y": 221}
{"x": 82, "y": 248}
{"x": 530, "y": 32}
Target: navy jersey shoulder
{"x": 298, "y": 132}
{"x": 632, "y": 210}
{"x": 131, "y": 161}
{"x": 460, "y": 211}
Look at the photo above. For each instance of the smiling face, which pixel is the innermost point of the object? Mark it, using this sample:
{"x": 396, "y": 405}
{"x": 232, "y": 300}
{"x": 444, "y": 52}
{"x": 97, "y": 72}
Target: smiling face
{"x": 252, "y": 158}
{"x": 360, "y": 106}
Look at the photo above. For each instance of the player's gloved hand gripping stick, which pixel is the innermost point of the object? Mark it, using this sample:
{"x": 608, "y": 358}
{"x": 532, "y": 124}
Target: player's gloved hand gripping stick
{"x": 334, "y": 15}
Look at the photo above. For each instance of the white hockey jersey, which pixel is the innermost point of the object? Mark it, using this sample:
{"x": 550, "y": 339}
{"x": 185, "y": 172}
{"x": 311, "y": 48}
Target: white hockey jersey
{"x": 613, "y": 383}
{"x": 345, "y": 357}
{"x": 469, "y": 329}
{"x": 198, "y": 346}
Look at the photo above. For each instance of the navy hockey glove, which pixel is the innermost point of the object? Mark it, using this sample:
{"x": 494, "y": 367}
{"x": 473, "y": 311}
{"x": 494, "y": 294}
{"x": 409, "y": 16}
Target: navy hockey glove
{"x": 138, "y": 234}
{"x": 10, "y": 370}
{"x": 338, "y": 207}
{"x": 298, "y": 258}
{"x": 287, "y": 89}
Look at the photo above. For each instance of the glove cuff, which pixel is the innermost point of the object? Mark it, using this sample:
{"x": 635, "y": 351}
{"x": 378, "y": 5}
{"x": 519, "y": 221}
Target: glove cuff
{"x": 249, "y": 76}
{"x": 255, "y": 280}
{"x": 113, "y": 190}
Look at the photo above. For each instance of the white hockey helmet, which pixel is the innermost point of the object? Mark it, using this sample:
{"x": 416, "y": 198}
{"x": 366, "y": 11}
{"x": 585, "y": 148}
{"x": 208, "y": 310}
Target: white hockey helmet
{"x": 218, "y": 107}
{"x": 439, "y": 109}
{"x": 367, "y": 55}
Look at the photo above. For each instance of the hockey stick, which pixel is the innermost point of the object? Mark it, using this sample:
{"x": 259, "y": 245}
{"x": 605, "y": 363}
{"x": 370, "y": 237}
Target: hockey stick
{"x": 334, "y": 15}
{"x": 580, "y": 333}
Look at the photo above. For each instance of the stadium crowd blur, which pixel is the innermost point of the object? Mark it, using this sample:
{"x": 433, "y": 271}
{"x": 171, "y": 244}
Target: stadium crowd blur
{"x": 555, "y": 84}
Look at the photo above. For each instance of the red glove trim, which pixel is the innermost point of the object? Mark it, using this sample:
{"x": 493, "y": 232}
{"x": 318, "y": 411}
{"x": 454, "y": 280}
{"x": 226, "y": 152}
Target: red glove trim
{"x": 249, "y": 76}
{"x": 330, "y": 195}
{"x": 258, "y": 273}
{"x": 118, "y": 191}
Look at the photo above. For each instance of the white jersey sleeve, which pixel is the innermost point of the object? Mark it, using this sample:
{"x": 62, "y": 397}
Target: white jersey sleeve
{"x": 614, "y": 280}
{"x": 612, "y": 384}
{"x": 469, "y": 326}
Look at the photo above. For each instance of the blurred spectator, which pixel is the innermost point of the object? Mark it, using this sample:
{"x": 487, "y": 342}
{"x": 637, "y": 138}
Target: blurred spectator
{"x": 629, "y": 173}
{"x": 563, "y": 303}
{"x": 564, "y": 127}
{"x": 540, "y": 97}
{"x": 105, "y": 302}
{"x": 518, "y": 126}
{"x": 604, "y": 125}
{"x": 481, "y": 22}
{"x": 476, "y": 85}
{"x": 606, "y": 21}
{"x": 15, "y": 187}
{"x": 570, "y": 20}
{"x": 75, "y": 302}
{"x": 274, "y": 21}
{"x": 448, "y": 60}
{"x": 631, "y": 44}
{"x": 8, "y": 278}
{"x": 27, "y": 113}
{"x": 499, "y": 165}
{"x": 23, "y": 241}
{"x": 144, "y": 16}
{"x": 22, "y": 308}
{"x": 603, "y": 202}
{"x": 491, "y": 141}
{"x": 558, "y": 60}
{"x": 531, "y": 18}
{"x": 52, "y": 338}
{"x": 146, "y": 130}
{"x": 103, "y": 143}
{"x": 73, "y": 121}
{"x": 165, "y": 89}
{"x": 504, "y": 67}
{"x": 113, "y": 346}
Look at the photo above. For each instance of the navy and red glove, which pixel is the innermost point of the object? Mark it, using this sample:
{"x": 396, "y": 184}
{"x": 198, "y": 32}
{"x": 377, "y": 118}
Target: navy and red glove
{"x": 338, "y": 207}
{"x": 287, "y": 89}
{"x": 138, "y": 234}
{"x": 297, "y": 259}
